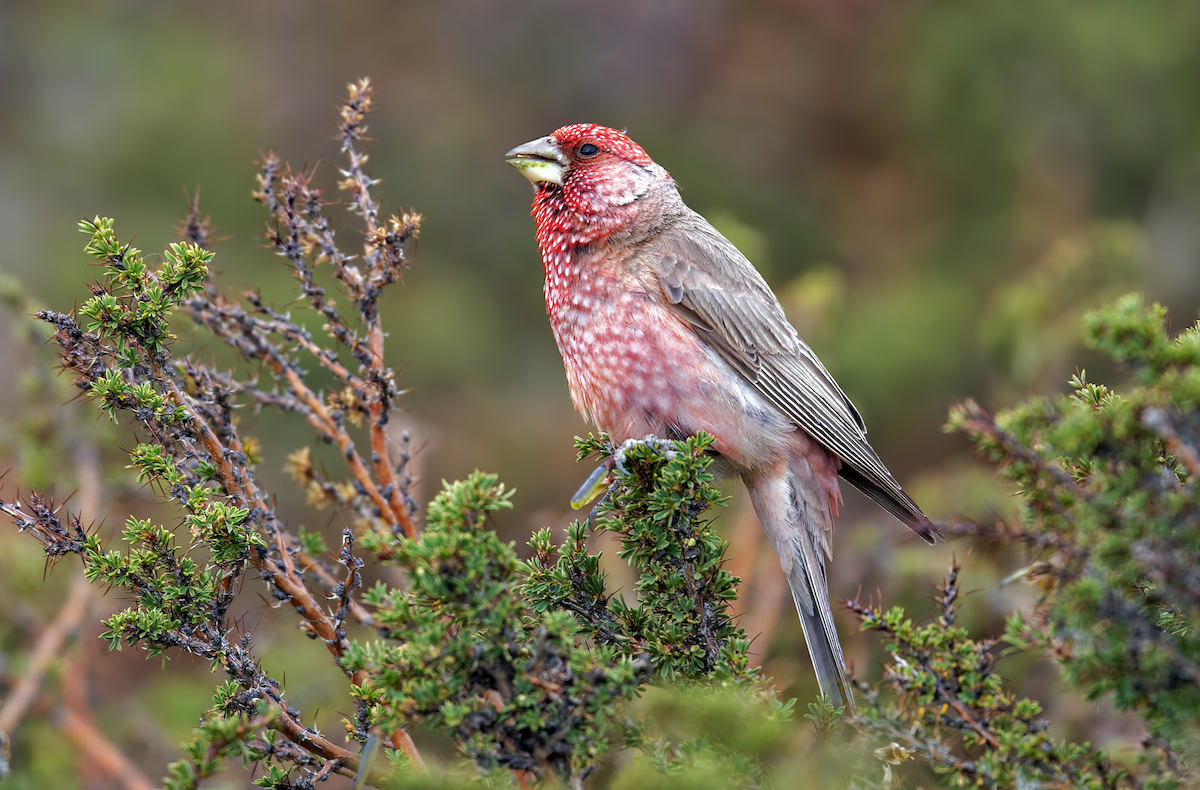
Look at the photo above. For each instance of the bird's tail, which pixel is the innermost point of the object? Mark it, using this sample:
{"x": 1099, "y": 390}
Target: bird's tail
{"x": 795, "y": 512}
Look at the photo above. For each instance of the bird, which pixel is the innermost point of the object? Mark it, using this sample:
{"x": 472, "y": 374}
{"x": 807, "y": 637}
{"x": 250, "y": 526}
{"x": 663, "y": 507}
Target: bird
{"x": 666, "y": 329}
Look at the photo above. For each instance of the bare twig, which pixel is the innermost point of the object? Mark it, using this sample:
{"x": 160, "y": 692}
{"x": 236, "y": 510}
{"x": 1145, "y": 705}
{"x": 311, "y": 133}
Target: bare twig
{"x": 92, "y": 743}
{"x": 49, "y": 646}
{"x": 207, "y": 466}
{"x": 976, "y": 419}
{"x": 66, "y": 623}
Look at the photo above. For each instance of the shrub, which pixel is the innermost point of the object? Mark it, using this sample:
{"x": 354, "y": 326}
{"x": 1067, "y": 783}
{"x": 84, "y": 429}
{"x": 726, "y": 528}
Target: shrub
{"x": 536, "y": 668}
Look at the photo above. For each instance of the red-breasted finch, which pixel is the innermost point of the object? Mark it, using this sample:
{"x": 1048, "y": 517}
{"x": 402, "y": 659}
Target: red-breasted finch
{"x": 666, "y": 329}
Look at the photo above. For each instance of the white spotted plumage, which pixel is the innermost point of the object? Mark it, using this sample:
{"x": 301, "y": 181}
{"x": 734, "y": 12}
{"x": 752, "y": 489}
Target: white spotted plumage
{"x": 666, "y": 329}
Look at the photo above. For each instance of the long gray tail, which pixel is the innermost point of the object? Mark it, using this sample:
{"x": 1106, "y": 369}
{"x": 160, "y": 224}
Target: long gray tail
{"x": 799, "y": 527}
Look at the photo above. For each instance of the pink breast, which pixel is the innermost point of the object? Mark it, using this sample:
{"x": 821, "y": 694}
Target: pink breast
{"x": 633, "y": 367}
{"x": 622, "y": 360}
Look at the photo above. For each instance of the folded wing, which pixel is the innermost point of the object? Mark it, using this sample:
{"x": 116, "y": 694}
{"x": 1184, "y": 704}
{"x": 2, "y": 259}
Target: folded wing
{"x": 716, "y": 290}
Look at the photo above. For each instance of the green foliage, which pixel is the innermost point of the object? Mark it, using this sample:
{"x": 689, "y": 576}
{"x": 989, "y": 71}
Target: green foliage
{"x": 122, "y": 350}
{"x": 487, "y": 646}
{"x": 133, "y": 304}
{"x": 537, "y": 669}
{"x": 682, "y": 619}
{"x": 131, "y": 310}
{"x": 945, "y": 682}
{"x": 221, "y": 737}
{"x": 1109, "y": 482}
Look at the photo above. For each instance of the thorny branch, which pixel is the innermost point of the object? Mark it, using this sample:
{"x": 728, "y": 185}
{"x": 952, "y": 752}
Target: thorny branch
{"x": 51, "y": 643}
{"x": 187, "y": 409}
{"x": 48, "y": 647}
{"x": 98, "y": 748}
{"x": 945, "y": 693}
{"x": 945, "y": 682}
{"x": 974, "y": 419}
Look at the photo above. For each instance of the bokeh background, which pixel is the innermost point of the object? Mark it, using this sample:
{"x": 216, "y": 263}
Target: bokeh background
{"x": 936, "y": 191}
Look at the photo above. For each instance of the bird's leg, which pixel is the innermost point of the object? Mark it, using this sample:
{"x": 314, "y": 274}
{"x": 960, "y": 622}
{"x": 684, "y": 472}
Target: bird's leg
{"x": 601, "y": 478}
{"x": 665, "y": 447}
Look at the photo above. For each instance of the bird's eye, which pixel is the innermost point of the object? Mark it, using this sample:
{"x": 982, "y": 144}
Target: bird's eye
{"x": 588, "y": 150}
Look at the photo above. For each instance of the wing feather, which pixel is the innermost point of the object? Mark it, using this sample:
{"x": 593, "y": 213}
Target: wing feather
{"x": 715, "y": 289}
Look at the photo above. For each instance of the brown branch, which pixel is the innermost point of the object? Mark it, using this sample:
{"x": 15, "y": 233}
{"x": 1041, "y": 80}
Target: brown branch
{"x": 317, "y": 620}
{"x": 278, "y": 325}
{"x": 283, "y": 578}
{"x": 337, "y": 645}
{"x": 403, "y": 741}
{"x": 298, "y": 206}
{"x": 101, "y": 751}
{"x": 392, "y": 508}
{"x": 311, "y": 565}
{"x": 244, "y": 492}
{"x": 49, "y": 645}
{"x": 954, "y": 702}
{"x": 234, "y": 486}
{"x": 343, "y": 441}
{"x": 384, "y": 470}
{"x": 205, "y": 429}
{"x": 933, "y": 752}
{"x": 315, "y": 743}
{"x": 979, "y": 420}
{"x": 353, "y": 113}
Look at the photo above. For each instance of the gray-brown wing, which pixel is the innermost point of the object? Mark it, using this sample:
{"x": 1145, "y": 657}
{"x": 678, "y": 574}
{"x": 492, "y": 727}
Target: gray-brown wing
{"x": 720, "y": 294}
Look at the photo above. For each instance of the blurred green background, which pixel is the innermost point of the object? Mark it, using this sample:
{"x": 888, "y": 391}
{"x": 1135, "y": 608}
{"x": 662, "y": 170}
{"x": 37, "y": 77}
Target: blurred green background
{"x": 936, "y": 191}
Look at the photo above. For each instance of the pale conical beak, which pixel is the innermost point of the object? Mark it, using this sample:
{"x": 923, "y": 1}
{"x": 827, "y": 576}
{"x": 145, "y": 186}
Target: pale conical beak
{"x": 539, "y": 160}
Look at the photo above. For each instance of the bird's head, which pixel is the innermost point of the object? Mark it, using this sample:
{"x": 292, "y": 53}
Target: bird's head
{"x": 594, "y": 167}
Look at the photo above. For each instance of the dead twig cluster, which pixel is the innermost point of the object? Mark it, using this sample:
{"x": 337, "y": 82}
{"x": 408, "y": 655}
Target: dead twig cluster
{"x": 120, "y": 348}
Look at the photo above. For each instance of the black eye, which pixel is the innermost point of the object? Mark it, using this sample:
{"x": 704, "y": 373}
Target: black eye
{"x": 588, "y": 150}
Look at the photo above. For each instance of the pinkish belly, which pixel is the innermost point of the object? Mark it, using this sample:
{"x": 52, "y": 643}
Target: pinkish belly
{"x": 638, "y": 370}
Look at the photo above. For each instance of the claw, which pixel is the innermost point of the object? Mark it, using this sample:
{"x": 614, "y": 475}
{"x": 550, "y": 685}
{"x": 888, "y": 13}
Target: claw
{"x": 599, "y": 480}
{"x": 618, "y": 458}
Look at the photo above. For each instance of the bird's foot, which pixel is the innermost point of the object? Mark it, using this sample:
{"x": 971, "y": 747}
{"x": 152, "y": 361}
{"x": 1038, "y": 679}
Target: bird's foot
{"x": 664, "y": 446}
{"x": 601, "y": 479}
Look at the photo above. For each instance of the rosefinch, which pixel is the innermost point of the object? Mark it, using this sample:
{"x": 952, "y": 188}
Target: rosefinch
{"x": 666, "y": 329}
